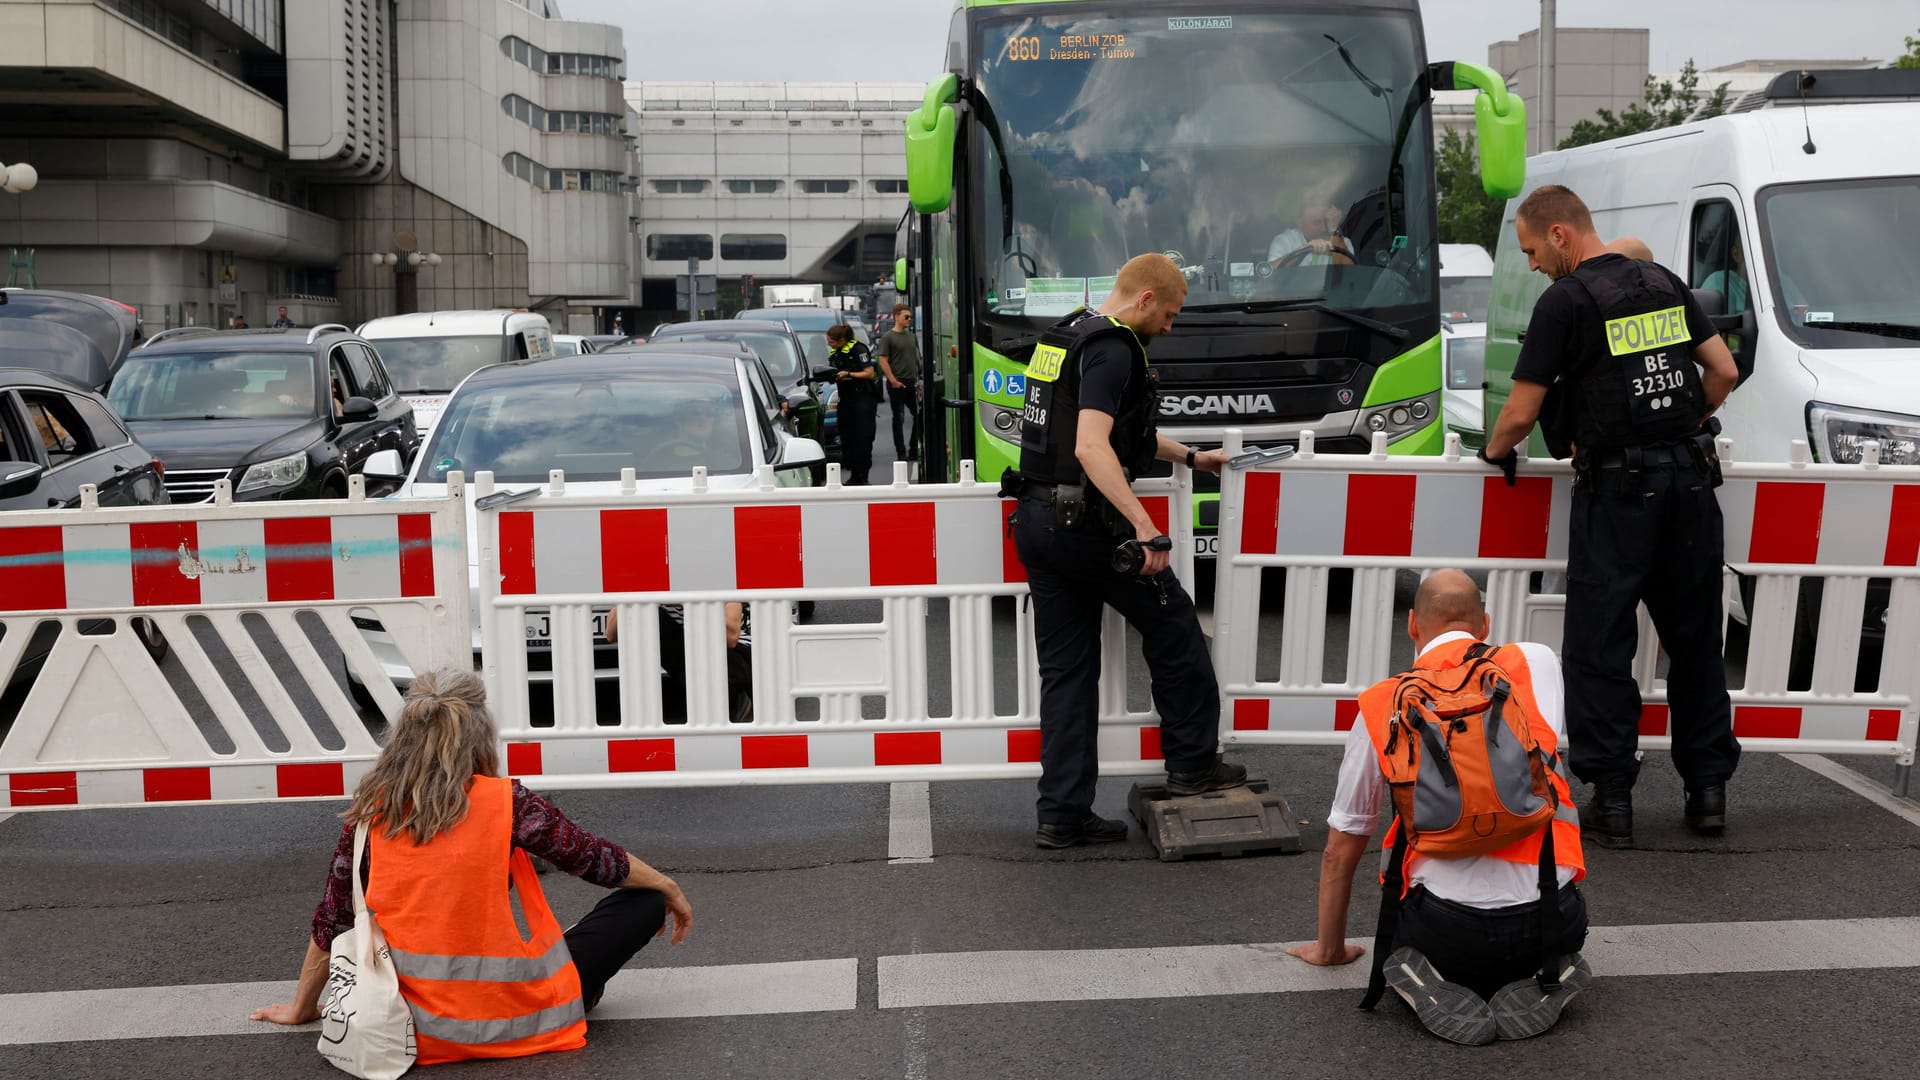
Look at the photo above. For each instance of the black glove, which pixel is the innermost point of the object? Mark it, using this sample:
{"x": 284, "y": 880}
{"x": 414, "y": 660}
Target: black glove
{"x": 1508, "y": 465}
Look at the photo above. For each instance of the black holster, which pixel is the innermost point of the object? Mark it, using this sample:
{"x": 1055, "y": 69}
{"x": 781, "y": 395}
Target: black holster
{"x": 1705, "y": 449}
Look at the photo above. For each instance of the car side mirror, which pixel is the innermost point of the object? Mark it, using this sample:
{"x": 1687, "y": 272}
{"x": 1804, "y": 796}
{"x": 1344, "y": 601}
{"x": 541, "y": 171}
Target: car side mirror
{"x": 385, "y": 473}
{"x": 1739, "y": 330}
{"x": 802, "y": 453}
{"x": 358, "y": 408}
{"x": 824, "y": 374}
{"x": 19, "y": 477}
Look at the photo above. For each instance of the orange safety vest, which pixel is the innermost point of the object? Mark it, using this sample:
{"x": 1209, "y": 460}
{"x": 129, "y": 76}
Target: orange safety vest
{"x": 476, "y": 988}
{"x": 1376, "y": 708}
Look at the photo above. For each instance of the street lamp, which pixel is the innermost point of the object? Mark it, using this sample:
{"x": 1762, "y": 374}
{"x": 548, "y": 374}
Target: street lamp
{"x": 18, "y": 178}
{"x": 413, "y": 258}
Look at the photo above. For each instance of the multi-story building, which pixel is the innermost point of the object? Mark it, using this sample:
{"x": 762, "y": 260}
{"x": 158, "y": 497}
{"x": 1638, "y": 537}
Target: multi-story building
{"x": 206, "y": 158}
{"x": 768, "y": 182}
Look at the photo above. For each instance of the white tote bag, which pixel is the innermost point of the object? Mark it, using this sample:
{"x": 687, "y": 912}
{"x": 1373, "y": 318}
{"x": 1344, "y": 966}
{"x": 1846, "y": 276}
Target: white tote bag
{"x": 366, "y": 1029}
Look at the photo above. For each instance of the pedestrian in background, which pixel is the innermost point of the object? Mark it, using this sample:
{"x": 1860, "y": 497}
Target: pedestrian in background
{"x": 283, "y": 322}
{"x": 859, "y": 389}
{"x": 899, "y": 353}
{"x": 444, "y": 833}
{"x": 1612, "y": 368}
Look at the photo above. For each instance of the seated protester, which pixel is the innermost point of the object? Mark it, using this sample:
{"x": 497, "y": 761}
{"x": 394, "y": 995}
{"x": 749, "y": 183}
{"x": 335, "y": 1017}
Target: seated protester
{"x": 443, "y": 831}
{"x": 1470, "y": 953}
{"x": 1633, "y": 248}
{"x": 673, "y": 658}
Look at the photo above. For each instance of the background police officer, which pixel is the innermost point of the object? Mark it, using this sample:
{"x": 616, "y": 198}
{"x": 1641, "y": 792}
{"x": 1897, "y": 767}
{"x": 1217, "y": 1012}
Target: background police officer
{"x": 1089, "y": 423}
{"x": 859, "y": 402}
{"x": 1614, "y": 356}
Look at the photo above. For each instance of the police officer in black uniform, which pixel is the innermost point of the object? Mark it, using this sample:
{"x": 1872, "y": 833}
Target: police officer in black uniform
{"x": 1624, "y": 371}
{"x": 1086, "y": 542}
{"x": 859, "y": 402}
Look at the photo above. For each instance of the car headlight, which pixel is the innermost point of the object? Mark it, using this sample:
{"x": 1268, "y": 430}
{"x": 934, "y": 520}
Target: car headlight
{"x": 1837, "y": 434}
{"x": 278, "y": 473}
{"x": 1400, "y": 419}
{"x": 1000, "y": 421}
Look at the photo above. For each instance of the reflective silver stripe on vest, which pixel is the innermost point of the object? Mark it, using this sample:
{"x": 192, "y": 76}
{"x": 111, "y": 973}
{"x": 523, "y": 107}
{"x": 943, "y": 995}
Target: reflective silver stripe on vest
{"x": 510, "y": 1029}
{"x": 483, "y": 968}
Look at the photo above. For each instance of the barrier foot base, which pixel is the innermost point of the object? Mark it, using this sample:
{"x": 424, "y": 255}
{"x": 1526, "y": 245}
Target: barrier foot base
{"x": 1902, "y": 780}
{"x": 1226, "y": 823}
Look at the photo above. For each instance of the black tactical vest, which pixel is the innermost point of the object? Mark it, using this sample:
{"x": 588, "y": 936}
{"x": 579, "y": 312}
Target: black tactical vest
{"x": 852, "y": 356}
{"x": 1634, "y": 382}
{"x": 1051, "y": 420}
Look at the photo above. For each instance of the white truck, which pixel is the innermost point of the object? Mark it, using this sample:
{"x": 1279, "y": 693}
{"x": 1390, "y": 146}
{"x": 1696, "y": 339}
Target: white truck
{"x": 775, "y": 296}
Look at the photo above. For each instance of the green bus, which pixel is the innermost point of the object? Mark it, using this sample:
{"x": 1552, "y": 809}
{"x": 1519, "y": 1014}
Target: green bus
{"x": 1068, "y": 136}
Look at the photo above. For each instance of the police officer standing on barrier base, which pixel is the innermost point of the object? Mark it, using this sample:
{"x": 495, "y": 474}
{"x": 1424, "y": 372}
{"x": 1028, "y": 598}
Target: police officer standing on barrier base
{"x": 859, "y": 402}
{"x": 1086, "y": 542}
{"x": 1624, "y": 371}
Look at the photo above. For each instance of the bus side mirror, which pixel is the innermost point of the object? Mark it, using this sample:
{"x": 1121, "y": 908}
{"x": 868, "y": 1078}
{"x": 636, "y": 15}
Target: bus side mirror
{"x": 1499, "y": 124}
{"x": 931, "y": 131}
{"x": 900, "y": 276}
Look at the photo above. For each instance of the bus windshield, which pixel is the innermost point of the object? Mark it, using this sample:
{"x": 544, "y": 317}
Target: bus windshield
{"x": 1274, "y": 156}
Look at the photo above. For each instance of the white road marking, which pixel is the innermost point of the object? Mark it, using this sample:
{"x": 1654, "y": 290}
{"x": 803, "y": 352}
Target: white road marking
{"x": 983, "y": 978}
{"x": 1858, "y": 784}
{"x": 909, "y": 822}
{"x": 4, "y": 817}
{"x": 152, "y": 1012}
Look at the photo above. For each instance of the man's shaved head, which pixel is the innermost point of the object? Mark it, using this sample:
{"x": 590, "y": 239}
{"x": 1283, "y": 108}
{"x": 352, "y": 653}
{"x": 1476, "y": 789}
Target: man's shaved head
{"x": 1447, "y": 600}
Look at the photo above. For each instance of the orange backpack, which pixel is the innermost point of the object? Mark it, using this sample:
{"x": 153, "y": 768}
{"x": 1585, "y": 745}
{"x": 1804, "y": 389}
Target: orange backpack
{"x": 1466, "y": 774}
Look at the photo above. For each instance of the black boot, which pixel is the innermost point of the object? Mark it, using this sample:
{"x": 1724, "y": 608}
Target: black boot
{"x": 1092, "y": 829}
{"x": 1707, "y": 809}
{"x": 1608, "y": 819}
{"x": 1215, "y": 777}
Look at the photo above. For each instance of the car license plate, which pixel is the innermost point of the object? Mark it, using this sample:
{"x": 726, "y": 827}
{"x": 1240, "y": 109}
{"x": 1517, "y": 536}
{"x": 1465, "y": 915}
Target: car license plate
{"x": 540, "y": 628}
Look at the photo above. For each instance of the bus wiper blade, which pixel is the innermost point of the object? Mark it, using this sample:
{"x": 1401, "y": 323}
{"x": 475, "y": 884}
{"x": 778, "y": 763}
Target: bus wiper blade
{"x": 1261, "y": 307}
{"x": 1885, "y": 329}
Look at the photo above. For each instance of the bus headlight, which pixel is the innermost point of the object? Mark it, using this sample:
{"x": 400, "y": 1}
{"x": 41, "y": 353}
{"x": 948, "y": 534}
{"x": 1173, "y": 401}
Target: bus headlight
{"x": 1399, "y": 419}
{"x": 1837, "y": 435}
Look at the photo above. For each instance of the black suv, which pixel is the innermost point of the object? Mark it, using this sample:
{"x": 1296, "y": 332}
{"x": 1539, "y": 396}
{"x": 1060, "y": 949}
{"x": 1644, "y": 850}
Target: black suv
{"x": 281, "y": 414}
{"x": 56, "y": 436}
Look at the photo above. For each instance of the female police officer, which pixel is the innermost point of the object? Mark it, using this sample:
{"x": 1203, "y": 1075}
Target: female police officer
{"x": 1089, "y": 423}
{"x": 1622, "y": 344}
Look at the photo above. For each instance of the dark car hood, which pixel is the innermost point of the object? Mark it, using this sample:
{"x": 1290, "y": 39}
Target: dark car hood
{"x": 223, "y": 444}
{"x": 75, "y": 336}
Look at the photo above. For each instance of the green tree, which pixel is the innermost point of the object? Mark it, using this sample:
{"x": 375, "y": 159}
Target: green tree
{"x": 1468, "y": 215}
{"x": 1665, "y": 103}
{"x": 1912, "y": 58}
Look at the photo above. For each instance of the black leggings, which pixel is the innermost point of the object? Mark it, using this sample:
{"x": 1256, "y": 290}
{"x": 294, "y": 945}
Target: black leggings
{"x": 618, "y": 927}
{"x": 1484, "y": 949}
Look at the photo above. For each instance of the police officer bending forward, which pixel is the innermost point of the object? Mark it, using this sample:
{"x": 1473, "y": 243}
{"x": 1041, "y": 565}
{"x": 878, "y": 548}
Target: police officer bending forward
{"x": 1089, "y": 426}
{"x": 1611, "y": 367}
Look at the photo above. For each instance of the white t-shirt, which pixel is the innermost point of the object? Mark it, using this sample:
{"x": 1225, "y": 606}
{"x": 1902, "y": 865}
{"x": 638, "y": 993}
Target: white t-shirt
{"x": 1481, "y": 881}
{"x": 1290, "y": 241}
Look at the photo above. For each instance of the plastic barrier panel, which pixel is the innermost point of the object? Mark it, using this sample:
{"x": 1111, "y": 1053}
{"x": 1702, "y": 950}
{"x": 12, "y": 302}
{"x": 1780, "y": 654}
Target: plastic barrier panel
{"x": 1821, "y": 562}
{"x": 831, "y": 701}
{"x": 194, "y": 654}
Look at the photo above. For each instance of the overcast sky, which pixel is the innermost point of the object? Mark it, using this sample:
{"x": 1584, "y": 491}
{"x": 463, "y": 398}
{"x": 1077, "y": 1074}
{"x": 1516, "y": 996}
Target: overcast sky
{"x": 900, "y": 40}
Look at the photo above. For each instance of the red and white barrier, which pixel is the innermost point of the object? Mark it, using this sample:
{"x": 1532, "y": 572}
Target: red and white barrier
{"x": 832, "y": 702}
{"x": 1380, "y": 516}
{"x": 232, "y": 587}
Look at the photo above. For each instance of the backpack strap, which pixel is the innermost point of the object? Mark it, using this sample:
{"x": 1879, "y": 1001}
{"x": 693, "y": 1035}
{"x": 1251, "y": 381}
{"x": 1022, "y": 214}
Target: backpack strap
{"x": 1390, "y": 889}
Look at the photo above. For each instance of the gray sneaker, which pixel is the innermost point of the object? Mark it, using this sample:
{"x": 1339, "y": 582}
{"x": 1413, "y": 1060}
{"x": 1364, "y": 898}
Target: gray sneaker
{"x": 1522, "y": 1010}
{"x": 1449, "y": 1010}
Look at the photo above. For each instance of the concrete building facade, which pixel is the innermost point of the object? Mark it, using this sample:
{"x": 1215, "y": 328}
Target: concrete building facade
{"x": 1595, "y": 69}
{"x": 206, "y": 158}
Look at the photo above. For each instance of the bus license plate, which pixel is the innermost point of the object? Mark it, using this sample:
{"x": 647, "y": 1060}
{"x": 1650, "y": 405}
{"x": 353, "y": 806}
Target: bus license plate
{"x": 1206, "y": 547}
{"x": 540, "y": 628}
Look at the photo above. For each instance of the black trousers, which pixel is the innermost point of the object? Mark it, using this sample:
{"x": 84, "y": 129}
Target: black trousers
{"x": 1660, "y": 543}
{"x": 1484, "y": 949}
{"x": 858, "y": 410}
{"x": 1071, "y": 583}
{"x": 618, "y": 927}
{"x": 906, "y": 403}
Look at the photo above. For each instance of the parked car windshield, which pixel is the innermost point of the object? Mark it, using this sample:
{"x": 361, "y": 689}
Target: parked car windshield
{"x": 435, "y": 365}
{"x": 660, "y": 424}
{"x": 777, "y": 351}
{"x": 215, "y": 386}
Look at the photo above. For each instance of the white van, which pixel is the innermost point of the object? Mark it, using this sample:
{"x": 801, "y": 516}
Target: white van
{"x": 428, "y": 354}
{"x": 1805, "y": 222}
{"x": 1466, "y": 285}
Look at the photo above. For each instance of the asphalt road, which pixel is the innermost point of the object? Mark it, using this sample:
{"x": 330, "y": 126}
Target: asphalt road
{"x": 196, "y": 899}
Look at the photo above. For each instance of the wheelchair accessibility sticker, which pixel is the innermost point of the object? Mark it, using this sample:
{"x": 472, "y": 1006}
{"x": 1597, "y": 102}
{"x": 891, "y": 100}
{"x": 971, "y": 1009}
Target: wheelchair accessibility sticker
{"x": 1017, "y": 385}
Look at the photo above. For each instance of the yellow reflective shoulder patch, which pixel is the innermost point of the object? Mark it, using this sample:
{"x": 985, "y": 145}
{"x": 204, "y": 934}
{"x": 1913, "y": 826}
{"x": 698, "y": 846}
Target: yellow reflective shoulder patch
{"x": 1653, "y": 330}
{"x": 1046, "y": 363}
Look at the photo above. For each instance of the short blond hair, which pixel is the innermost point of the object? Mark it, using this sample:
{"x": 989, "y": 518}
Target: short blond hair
{"x": 1151, "y": 271}
{"x": 1555, "y": 204}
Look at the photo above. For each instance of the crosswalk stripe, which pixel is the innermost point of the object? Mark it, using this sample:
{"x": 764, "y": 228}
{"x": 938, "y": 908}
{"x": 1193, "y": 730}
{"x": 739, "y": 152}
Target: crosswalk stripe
{"x": 909, "y": 822}
{"x": 1859, "y": 785}
{"x": 156, "y": 1012}
{"x": 984, "y": 978}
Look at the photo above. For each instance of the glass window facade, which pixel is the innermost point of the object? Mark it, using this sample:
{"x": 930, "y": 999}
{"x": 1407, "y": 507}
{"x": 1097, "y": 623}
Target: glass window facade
{"x": 827, "y": 187}
{"x": 753, "y": 187}
{"x": 753, "y": 246}
{"x": 558, "y": 122}
{"x": 595, "y": 180}
{"x": 546, "y": 63}
{"x": 679, "y": 247}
